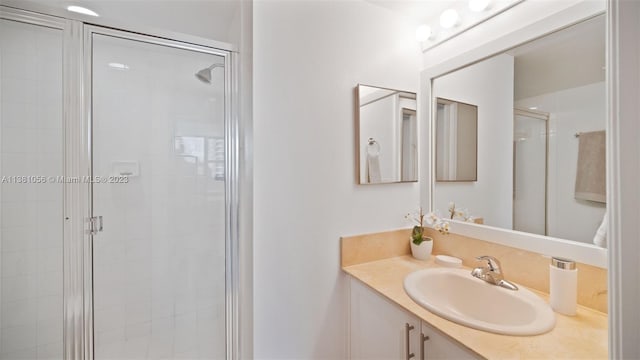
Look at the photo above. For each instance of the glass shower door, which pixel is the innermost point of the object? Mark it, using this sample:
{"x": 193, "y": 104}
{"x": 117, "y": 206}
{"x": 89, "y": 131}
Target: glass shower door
{"x": 159, "y": 184}
{"x": 530, "y": 172}
{"x": 31, "y": 197}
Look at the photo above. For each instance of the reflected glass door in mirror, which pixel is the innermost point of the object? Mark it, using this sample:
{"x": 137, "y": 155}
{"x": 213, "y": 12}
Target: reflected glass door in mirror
{"x": 456, "y": 141}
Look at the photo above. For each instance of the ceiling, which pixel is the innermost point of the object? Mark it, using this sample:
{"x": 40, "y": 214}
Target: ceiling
{"x": 569, "y": 58}
{"x": 421, "y": 12}
{"x": 210, "y": 19}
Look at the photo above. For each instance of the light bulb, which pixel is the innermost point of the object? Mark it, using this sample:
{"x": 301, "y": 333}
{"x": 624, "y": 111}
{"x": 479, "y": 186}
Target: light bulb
{"x": 81, "y": 10}
{"x": 423, "y": 33}
{"x": 478, "y": 5}
{"x": 449, "y": 18}
{"x": 119, "y": 66}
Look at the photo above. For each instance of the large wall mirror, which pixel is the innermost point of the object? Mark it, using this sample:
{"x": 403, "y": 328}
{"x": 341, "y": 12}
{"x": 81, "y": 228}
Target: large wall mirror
{"x": 386, "y": 124}
{"x": 540, "y": 137}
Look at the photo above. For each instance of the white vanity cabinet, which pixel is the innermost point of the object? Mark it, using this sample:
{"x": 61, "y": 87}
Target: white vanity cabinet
{"x": 380, "y": 329}
{"x": 439, "y": 346}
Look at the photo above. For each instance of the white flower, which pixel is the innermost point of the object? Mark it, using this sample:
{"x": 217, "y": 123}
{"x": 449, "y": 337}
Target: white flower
{"x": 437, "y": 223}
{"x": 417, "y": 217}
{"x": 460, "y": 213}
{"x": 432, "y": 218}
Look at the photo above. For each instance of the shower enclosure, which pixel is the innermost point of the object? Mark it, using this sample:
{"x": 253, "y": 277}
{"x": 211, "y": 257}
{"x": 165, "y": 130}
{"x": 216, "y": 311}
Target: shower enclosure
{"x": 530, "y": 164}
{"x": 118, "y": 194}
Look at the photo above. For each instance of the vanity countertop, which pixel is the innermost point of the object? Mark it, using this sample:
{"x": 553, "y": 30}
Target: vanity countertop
{"x": 574, "y": 337}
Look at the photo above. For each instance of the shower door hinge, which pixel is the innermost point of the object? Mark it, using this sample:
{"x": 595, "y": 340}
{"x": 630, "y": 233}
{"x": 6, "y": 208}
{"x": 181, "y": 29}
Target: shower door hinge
{"x": 95, "y": 224}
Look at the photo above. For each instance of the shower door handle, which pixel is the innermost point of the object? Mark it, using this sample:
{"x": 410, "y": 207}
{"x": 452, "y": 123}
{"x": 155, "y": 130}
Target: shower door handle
{"x": 95, "y": 224}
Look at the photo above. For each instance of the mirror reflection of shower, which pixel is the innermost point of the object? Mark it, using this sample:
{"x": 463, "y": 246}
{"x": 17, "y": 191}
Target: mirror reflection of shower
{"x": 204, "y": 75}
{"x": 530, "y": 171}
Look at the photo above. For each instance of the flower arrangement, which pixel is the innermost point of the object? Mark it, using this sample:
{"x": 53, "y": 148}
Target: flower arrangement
{"x": 438, "y": 224}
{"x": 419, "y": 218}
{"x": 462, "y": 214}
{"x": 418, "y": 230}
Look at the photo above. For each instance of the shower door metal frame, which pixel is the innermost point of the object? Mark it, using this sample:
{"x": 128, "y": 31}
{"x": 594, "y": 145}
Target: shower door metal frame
{"x": 77, "y": 195}
{"x": 231, "y": 174}
{"x": 74, "y": 166}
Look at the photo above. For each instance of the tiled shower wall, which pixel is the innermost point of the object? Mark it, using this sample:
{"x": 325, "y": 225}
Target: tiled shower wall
{"x": 31, "y": 213}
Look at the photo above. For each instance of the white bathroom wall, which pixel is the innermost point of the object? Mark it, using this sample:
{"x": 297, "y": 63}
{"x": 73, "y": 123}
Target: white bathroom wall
{"x": 306, "y": 197}
{"x": 580, "y": 109}
{"x": 488, "y": 85}
{"x": 31, "y": 210}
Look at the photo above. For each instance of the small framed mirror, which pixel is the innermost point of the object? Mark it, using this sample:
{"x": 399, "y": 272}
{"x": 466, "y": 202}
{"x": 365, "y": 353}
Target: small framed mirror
{"x": 387, "y": 136}
{"x": 456, "y": 141}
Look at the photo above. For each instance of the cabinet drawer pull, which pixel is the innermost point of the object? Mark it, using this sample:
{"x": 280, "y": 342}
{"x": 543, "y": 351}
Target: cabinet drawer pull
{"x": 407, "y": 329}
{"x": 423, "y": 339}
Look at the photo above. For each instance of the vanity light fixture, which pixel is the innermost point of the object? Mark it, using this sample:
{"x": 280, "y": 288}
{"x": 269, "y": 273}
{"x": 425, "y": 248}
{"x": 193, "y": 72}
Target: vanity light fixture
{"x": 81, "y": 10}
{"x": 478, "y": 5}
{"x": 449, "y": 18}
{"x": 463, "y": 15}
{"x": 423, "y": 33}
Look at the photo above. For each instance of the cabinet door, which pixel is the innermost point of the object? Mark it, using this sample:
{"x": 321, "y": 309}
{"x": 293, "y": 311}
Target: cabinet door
{"x": 377, "y": 327}
{"x": 439, "y": 346}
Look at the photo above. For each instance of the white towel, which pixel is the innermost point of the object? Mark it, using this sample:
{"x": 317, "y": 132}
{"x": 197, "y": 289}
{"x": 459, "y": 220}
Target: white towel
{"x": 590, "y": 175}
{"x": 600, "y": 238}
{"x": 373, "y": 168}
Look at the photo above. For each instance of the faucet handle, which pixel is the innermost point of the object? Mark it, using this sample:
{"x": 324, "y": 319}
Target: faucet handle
{"x": 493, "y": 263}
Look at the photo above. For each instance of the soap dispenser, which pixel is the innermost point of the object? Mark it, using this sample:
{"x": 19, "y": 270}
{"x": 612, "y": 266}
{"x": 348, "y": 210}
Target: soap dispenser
{"x": 563, "y": 286}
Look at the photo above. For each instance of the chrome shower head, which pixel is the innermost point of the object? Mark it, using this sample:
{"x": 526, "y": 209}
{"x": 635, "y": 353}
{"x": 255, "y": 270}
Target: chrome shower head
{"x": 204, "y": 75}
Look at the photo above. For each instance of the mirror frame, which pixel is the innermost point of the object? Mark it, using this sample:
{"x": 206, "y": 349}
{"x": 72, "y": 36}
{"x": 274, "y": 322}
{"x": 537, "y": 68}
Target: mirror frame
{"x": 545, "y": 245}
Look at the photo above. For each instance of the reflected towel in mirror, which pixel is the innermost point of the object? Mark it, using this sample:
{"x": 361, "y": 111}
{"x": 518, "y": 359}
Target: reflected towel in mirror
{"x": 373, "y": 168}
{"x": 590, "y": 174}
{"x": 600, "y": 238}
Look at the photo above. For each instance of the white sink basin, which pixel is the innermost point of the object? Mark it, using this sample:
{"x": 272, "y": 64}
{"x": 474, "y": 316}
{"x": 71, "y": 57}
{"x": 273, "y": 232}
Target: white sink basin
{"x": 457, "y": 296}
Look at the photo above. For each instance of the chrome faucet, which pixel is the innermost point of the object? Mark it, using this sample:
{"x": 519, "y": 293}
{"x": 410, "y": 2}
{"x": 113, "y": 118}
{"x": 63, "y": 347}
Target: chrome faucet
{"x": 492, "y": 273}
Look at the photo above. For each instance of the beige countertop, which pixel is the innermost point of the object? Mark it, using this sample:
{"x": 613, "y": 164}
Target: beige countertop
{"x": 583, "y": 336}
